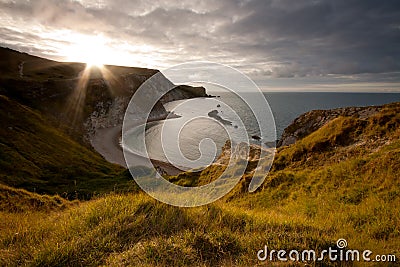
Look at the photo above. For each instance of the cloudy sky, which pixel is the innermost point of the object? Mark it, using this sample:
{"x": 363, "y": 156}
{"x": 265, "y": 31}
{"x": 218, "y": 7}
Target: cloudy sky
{"x": 282, "y": 44}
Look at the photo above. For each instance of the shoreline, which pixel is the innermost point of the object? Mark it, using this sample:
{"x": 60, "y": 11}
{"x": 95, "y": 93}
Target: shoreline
{"x": 106, "y": 142}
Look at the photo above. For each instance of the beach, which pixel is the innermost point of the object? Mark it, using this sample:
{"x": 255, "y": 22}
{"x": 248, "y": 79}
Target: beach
{"x": 106, "y": 141}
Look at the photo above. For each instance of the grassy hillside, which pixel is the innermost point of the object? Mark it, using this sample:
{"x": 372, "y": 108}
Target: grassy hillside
{"x": 38, "y": 157}
{"x": 42, "y": 142}
{"x": 20, "y": 200}
{"x": 49, "y": 110}
{"x": 14, "y": 63}
{"x": 341, "y": 181}
{"x": 122, "y": 230}
{"x": 56, "y": 90}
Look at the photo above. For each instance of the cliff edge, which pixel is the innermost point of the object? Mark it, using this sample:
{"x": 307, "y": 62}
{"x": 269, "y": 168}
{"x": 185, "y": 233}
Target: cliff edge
{"x": 77, "y": 99}
{"x": 313, "y": 120}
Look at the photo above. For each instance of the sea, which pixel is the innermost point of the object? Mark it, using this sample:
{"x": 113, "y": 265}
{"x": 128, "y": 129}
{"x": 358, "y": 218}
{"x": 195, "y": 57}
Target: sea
{"x": 196, "y": 138}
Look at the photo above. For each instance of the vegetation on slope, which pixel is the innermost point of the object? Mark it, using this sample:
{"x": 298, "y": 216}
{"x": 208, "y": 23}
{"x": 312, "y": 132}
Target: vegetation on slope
{"x": 339, "y": 181}
{"x": 342, "y": 138}
{"x": 344, "y": 184}
{"x": 121, "y": 230}
{"x": 20, "y": 200}
{"x": 40, "y": 158}
{"x": 42, "y": 145}
{"x": 66, "y": 93}
{"x": 45, "y": 108}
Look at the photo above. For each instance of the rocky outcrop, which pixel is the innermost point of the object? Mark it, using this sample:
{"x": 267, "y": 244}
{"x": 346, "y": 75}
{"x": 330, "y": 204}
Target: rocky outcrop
{"x": 184, "y": 92}
{"x": 248, "y": 152}
{"x": 110, "y": 111}
{"x": 214, "y": 114}
{"x": 315, "y": 119}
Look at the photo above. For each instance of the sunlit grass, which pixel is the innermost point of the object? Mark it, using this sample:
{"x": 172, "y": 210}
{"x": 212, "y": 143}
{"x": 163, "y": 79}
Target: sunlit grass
{"x": 336, "y": 191}
{"x": 137, "y": 230}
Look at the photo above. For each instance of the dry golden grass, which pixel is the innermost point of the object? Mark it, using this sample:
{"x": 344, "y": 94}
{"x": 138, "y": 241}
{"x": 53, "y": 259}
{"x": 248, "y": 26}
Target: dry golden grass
{"x": 323, "y": 188}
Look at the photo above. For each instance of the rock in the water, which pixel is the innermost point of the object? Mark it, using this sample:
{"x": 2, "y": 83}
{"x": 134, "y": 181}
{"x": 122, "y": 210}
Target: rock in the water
{"x": 214, "y": 114}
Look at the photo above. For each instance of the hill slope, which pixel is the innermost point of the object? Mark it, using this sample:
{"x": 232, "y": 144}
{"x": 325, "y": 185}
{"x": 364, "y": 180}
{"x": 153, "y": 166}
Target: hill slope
{"x": 340, "y": 181}
{"x": 19, "y": 200}
{"x": 49, "y": 111}
{"x": 39, "y": 157}
{"x": 77, "y": 98}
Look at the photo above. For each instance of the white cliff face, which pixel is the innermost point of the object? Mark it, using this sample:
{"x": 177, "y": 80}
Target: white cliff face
{"x": 107, "y": 114}
{"x": 110, "y": 112}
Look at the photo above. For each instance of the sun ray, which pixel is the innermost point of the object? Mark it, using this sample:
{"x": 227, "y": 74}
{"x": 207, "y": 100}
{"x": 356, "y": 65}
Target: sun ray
{"x": 114, "y": 85}
{"x": 76, "y": 101}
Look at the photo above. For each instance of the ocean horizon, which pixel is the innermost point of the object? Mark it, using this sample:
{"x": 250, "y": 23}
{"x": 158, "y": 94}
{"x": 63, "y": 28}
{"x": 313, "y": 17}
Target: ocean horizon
{"x": 200, "y": 138}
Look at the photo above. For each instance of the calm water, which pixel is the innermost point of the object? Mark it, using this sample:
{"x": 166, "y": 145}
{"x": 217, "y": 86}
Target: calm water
{"x": 195, "y": 139}
{"x": 288, "y": 106}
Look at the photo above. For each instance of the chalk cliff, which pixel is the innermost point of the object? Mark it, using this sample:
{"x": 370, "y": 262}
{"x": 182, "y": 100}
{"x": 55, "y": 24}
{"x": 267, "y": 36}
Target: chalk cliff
{"x": 80, "y": 100}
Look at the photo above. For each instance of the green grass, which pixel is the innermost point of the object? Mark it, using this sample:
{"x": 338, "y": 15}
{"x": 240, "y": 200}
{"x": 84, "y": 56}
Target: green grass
{"x": 20, "y": 200}
{"x": 40, "y": 158}
{"x": 136, "y": 230}
{"x": 42, "y": 139}
{"x": 341, "y": 181}
{"x": 341, "y": 138}
{"x": 50, "y": 88}
{"x": 133, "y": 229}
{"x": 44, "y": 144}
{"x": 352, "y": 192}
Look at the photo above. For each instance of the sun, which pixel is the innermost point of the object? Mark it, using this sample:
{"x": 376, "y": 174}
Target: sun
{"x": 92, "y": 50}
{"x": 99, "y": 50}
{"x": 94, "y": 63}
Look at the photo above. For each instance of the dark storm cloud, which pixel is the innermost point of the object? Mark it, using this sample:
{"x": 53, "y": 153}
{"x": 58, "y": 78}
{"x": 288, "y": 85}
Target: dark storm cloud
{"x": 281, "y": 38}
{"x": 344, "y": 37}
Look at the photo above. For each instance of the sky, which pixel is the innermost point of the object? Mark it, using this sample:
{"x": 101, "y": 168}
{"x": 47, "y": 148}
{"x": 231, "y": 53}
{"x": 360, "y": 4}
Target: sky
{"x": 317, "y": 45}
